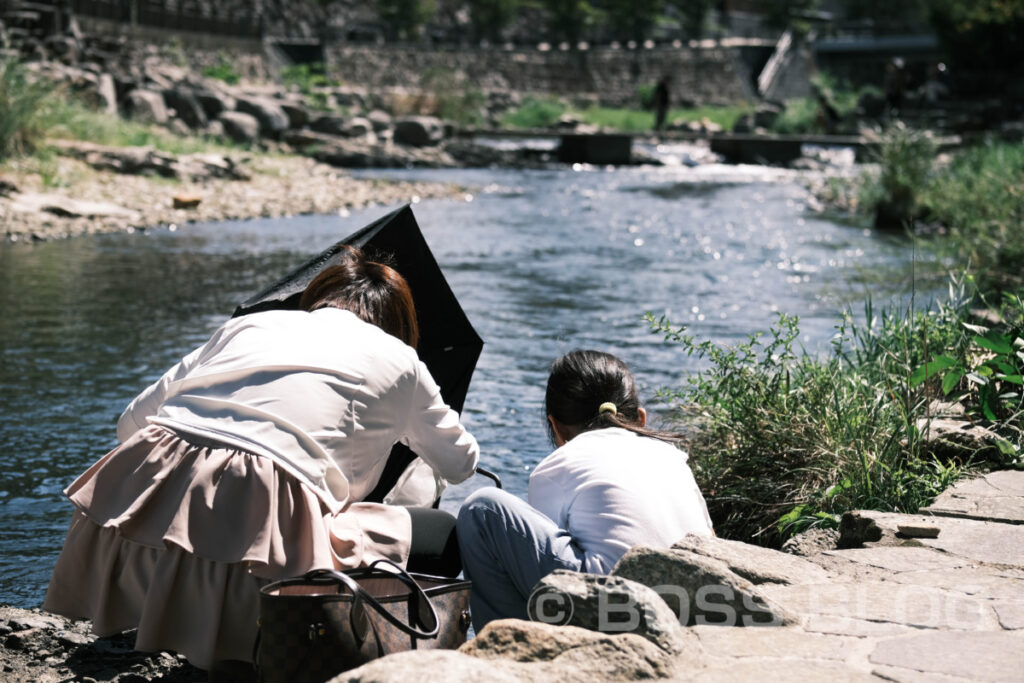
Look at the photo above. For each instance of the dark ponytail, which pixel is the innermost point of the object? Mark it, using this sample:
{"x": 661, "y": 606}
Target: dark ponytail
{"x": 582, "y": 382}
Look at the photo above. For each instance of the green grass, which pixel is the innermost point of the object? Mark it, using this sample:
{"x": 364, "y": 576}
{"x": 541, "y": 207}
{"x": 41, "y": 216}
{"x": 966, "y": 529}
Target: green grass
{"x": 535, "y": 112}
{"x": 801, "y": 115}
{"x": 545, "y": 112}
{"x": 30, "y": 113}
{"x": 24, "y": 111}
{"x": 74, "y": 121}
{"x": 969, "y": 210}
{"x": 978, "y": 200}
{"x": 223, "y": 70}
{"x": 781, "y": 440}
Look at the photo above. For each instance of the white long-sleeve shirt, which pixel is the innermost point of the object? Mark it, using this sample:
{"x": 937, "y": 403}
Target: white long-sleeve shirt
{"x": 612, "y": 489}
{"x": 324, "y": 394}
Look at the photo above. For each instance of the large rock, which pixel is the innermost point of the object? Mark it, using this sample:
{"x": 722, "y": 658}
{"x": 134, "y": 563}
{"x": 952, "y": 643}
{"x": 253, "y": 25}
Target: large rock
{"x": 358, "y": 127}
{"x": 419, "y": 131}
{"x": 616, "y": 657}
{"x": 766, "y": 115}
{"x": 429, "y": 666}
{"x": 128, "y": 160}
{"x": 146, "y": 106}
{"x": 951, "y": 438}
{"x": 346, "y": 153}
{"x": 301, "y": 139}
{"x": 298, "y": 115}
{"x": 330, "y": 124}
{"x": 700, "y": 589}
{"x": 380, "y": 120}
{"x": 607, "y": 604}
{"x": 107, "y": 93}
{"x": 273, "y": 120}
{"x": 811, "y": 542}
{"x": 514, "y": 650}
{"x": 215, "y": 103}
{"x": 754, "y": 563}
{"x": 187, "y": 107}
{"x": 67, "y": 207}
{"x": 240, "y": 127}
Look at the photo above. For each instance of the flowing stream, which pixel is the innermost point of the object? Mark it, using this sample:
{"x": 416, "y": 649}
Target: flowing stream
{"x": 542, "y": 262}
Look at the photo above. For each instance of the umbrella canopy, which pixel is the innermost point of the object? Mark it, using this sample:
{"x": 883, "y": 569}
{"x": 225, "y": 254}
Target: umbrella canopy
{"x": 448, "y": 345}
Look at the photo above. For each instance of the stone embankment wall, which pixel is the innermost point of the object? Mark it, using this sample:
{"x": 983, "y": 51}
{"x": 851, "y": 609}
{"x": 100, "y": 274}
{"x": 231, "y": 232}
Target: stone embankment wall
{"x": 701, "y": 75}
{"x": 719, "y": 75}
{"x": 194, "y": 51}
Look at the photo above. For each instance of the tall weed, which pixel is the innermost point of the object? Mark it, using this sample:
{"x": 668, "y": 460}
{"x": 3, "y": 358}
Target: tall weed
{"x": 24, "y": 110}
{"x": 782, "y": 440}
{"x": 977, "y": 202}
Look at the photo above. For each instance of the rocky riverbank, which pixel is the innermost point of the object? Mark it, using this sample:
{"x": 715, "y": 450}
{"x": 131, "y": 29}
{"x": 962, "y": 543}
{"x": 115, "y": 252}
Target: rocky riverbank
{"x": 222, "y": 187}
{"x": 934, "y": 597}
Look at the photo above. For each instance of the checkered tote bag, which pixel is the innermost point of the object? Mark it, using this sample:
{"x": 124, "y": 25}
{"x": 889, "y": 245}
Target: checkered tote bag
{"x": 315, "y": 626}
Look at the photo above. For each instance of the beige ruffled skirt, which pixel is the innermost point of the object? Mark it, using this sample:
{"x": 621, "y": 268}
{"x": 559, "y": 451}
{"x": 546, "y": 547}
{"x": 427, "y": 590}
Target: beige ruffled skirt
{"x": 175, "y": 539}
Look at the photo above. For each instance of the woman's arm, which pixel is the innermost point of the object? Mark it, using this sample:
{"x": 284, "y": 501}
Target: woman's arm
{"x": 147, "y": 403}
{"x": 435, "y": 433}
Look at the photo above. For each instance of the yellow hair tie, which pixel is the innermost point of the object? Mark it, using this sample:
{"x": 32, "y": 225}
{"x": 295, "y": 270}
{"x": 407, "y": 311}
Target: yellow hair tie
{"x": 608, "y": 407}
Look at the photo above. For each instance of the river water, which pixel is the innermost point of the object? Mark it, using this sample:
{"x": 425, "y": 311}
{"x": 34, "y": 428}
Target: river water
{"x": 542, "y": 261}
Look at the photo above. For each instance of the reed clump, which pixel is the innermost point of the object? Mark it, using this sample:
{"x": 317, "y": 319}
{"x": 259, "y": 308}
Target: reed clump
{"x": 782, "y": 440}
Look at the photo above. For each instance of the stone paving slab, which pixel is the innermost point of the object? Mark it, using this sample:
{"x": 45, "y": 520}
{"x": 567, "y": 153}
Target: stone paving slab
{"x": 787, "y": 643}
{"x": 976, "y": 656}
{"x": 900, "y": 675}
{"x": 1011, "y": 616}
{"x": 860, "y": 628}
{"x": 978, "y": 540}
{"x": 782, "y": 671}
{"x": 997, "y": 496}
{"x": 970, "y": 580}
{"x": 889, "y": 602}
{"x": 901, "y": 559}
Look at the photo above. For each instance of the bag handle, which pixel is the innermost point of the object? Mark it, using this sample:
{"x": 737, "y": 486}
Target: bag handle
{"x": 419, "y": 604}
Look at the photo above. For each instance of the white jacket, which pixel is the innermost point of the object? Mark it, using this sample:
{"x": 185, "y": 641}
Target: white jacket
{"x": 324, "y": 394}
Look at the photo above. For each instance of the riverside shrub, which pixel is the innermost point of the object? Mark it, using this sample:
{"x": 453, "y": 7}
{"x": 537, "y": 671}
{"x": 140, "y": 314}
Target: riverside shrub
{"x": 782, "y": 440}
{"x": 24, "y": 111}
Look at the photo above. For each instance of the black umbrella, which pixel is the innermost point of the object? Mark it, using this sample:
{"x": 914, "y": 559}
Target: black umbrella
{"x": 448, "y": 345}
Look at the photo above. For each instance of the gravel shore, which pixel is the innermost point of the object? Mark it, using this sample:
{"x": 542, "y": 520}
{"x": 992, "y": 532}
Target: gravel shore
{"x": 105, "y": 201}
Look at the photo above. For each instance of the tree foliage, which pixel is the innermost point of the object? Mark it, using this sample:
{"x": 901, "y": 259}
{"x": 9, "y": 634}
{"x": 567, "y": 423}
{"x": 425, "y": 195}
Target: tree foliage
{"x": 632, "y": 19}
{"x": 403, "y": 18}
{"x": 998, "y": 25}
{"x": 490, "y": 17}
{"x": 569, "y": 19}
{"x": 693, "y": 15}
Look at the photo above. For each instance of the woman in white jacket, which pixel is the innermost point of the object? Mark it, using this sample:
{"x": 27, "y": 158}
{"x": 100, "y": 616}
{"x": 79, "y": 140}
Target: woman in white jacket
{"x": 611, "y": 484}
{"x": 248, "y": 462}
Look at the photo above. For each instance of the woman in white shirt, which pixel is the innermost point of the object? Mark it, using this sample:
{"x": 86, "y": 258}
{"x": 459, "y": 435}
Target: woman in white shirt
{"x": 610, "y": 485}
{"x": 249, "y": 460}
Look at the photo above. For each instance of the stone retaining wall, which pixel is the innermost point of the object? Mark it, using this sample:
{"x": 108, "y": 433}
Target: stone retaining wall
{"x": 718, "y": 75}
{"x": 703, "y": 75}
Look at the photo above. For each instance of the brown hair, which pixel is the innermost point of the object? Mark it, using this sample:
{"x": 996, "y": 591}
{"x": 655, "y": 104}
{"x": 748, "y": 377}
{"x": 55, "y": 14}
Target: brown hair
{"x": 581, "y": 381}
{"x": 373, "y": 291}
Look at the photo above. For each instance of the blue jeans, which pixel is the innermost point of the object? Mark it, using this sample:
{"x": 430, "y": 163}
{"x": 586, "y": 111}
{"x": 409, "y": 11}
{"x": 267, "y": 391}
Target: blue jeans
{"x": 507, "y": 547}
